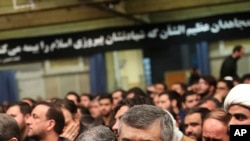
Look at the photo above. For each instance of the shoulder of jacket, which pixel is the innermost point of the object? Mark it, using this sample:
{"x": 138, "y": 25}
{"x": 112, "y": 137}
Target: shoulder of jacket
{"x": 185, "y": 138}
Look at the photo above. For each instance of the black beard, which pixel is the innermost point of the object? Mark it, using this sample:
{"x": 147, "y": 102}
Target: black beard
{"x": 205, "y": 93}
{"x": 34, "y": 137}
{"x": 199, "y": 139}
{"x": 106, "y": 115}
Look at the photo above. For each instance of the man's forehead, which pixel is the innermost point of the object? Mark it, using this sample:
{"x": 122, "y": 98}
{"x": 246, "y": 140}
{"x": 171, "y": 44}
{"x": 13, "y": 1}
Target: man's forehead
{"x": 129, "y": 133}
{"x": 105, "y": 100}
{"x": 194, "y": 116}
{"x": 176, "y": 85}
{"x": 16, "y": 107}
{"x": 237, "y": 107}
{"x": 121, "y": 111}
{"x": 191, "y": 96}
{"x": 71, "y": 96}
{"x": 13, "y": 111}
{"x": 117, "y": 93}
{"x": 41, "y": 108}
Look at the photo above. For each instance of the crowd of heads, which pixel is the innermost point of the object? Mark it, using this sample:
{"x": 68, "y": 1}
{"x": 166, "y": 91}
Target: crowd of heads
{"x": 200, "y": 110}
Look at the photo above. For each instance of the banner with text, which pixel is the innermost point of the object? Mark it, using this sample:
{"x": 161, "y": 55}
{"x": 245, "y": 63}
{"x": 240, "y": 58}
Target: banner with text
{"x": 84, "y": 43}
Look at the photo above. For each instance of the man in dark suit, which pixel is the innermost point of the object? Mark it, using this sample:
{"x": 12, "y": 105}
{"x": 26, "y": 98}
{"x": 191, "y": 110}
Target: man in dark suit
{"x": 229, "y": 65}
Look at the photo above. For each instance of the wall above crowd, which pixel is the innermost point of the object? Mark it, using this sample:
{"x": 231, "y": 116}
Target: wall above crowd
{"x": 83, "y": 43}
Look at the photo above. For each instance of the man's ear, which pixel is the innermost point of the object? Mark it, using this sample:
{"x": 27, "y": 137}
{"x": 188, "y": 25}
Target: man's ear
{"x": 51, "y": 125}
{"x": 13, "y": 139}
{"x": 174, "y": 103}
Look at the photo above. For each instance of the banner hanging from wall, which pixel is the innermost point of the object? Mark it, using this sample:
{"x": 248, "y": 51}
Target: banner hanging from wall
{"x": 84, "y": 43}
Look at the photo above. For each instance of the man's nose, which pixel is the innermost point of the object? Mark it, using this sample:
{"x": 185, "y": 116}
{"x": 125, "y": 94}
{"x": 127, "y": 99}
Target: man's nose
{"x": 188, "y": 129}
{"x": 115, "y": 126}
{"x": 232, "y": 121}
{"x": 28, "y": 121}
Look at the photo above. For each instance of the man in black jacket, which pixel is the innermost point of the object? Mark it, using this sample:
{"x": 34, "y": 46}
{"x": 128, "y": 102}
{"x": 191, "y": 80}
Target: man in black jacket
{"x": 21, "y": 112}
{"x": 229, "y": 65}
{"x": 46, "y": 123}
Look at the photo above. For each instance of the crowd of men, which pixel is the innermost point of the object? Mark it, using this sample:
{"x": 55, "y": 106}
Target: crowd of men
{"x": 202, "y": 110}
{"x": 160, "y": 114}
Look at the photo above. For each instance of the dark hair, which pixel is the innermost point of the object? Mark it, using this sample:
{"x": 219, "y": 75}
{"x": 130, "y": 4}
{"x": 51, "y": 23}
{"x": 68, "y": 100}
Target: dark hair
{"x": 237, "y": 48}
{"x": 182, "y": 85}
{"x": 132, "y": 102}
{"x": 228, "y": 83}
{"x": 32, "y": 101}
{"x": 67, "y": 104}
{"x": 206, "y": 99}
{"x": 194, "y": 76}
{"x": 169, "y": 93}
{"x": 245, "y": 77}
{"x": 237, "y": 79}
{"x": 106, "y": 96}
{"x": 55, "y": 114}
{"x": 24, "y": 107}
{"x": 163, "y": 84}
{"x": 83, "y": 110}
{"x": 54, "y": 99}
{"x": 2, "y": 138}
{"x": 86, "y": 119}
{"x": 87, "y": 95}
{"x": 210, "y": 80}
{"x": 175, "y": 96}
{"x": 122, "y": 91}
{"x": 166, "y": 93}
{"x": 75, "y": 94}
{"x": 137, "y": 92}
{"x": 200, "y": 110}
{"x": 186, "y": 94}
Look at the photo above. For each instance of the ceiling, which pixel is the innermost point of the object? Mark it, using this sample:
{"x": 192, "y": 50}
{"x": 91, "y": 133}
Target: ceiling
{"x": 25, "y": 18}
